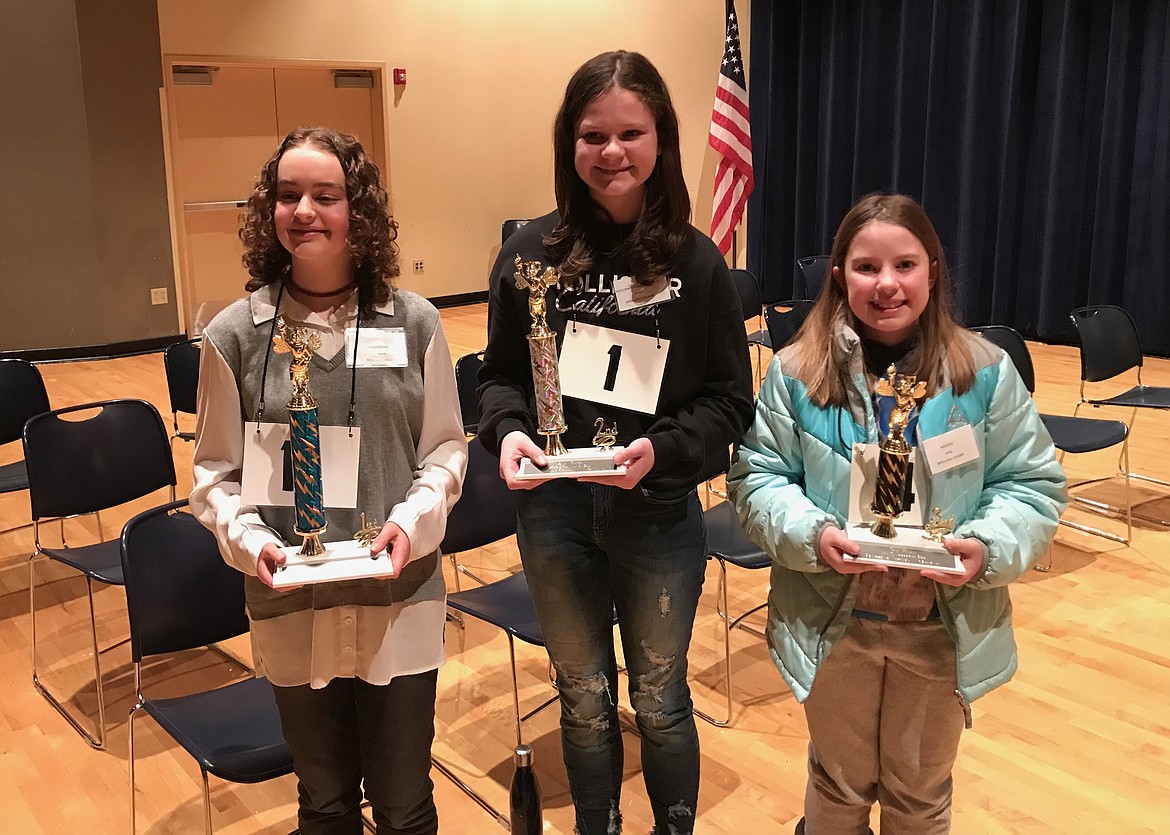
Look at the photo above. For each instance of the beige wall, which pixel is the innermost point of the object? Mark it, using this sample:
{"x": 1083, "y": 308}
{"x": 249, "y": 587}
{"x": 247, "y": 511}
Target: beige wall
{"x": 84, "y": 204}
{"x": 469, "y": 136}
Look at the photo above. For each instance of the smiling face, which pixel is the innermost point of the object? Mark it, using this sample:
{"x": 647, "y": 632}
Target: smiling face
{"x": 311, "y": 213}
{"x": 887, "y": 279}
{"x": 616, "y": 150}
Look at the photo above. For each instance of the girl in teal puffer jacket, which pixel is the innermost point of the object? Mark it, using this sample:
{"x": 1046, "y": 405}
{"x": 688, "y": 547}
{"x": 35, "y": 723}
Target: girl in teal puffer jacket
{"x": 887, "y": 660}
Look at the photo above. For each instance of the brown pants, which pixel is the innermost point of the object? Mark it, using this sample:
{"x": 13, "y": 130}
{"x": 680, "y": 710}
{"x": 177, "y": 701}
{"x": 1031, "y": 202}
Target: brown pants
{"x": 884, "y": 724}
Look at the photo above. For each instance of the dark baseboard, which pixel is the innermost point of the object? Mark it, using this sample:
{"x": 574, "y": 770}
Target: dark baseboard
{"x": 149, "y": 346}
{"x": 95, "y": 352}
{"x": 459, "y": 299}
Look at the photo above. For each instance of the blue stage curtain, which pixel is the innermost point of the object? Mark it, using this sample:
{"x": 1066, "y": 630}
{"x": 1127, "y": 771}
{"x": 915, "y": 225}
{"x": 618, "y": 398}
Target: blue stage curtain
{"x": 1035, "y": 132}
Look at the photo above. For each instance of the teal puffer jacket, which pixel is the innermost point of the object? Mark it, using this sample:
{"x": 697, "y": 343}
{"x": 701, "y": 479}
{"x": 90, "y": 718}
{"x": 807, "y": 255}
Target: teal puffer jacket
{"x": 791, "y": 477}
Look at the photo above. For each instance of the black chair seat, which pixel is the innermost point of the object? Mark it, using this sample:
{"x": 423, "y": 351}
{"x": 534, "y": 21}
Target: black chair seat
{"x": 233, "y": 732}
{"x": 101, "y": 561}
{"x": 505, "y": 603}
{"x": 1143, "y": 397}
{"x": 13, "y": 477}
{"x": 727, "y": 541}
{"x": 1072, "y": 434}
{"x": 186, "y": 436}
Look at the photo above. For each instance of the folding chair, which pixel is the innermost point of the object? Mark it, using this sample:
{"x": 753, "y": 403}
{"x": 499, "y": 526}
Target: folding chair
{"x": 748, "y": 289}
{"x": 1110, "y": 347}
{"x": 82, "y": 466}
{"x": 181, "y": 595}
{"x": 813, "y": 269}
{"x": 784, "y": 320}
{"x": 23, "y": 392}
{"x": 485, "y": 512}
{"x": 510, "y": 227}
{"x": 1071, "y": 434}
{"x": 181, "y": 361}
{"x": 727, "y": 543}
{"x": 466, "y": 383}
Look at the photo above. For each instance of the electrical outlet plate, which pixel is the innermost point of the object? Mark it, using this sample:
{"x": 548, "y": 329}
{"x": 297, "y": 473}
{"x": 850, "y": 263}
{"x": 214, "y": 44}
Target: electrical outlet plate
{"x": 419, "y": 266}
{"x": 158, "y": 295}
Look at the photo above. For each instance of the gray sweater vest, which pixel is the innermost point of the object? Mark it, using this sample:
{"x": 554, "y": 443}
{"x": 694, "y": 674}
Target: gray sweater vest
{"x": 389, "y": 412}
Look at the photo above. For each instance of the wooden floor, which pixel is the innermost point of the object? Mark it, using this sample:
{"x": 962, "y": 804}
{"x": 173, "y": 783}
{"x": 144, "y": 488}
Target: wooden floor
{"x": 1079, "y": 742}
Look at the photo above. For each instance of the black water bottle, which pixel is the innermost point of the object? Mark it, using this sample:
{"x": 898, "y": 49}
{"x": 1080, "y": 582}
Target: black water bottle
{"x": 524, "y": 801}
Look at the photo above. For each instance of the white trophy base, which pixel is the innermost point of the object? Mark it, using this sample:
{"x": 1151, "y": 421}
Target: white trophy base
{"x": 348, "y": 560}
{"x": 574, "y": 463}
{"x": 909, "y": 549}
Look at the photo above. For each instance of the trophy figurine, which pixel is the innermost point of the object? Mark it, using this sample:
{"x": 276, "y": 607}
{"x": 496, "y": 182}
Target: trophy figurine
{"x": 534, "y": 277}
{"x": 883, "y": 542}
{"x": 315, "y": 561}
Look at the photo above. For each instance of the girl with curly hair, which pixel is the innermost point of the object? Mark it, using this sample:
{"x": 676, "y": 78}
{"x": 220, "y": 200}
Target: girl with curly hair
{"x": 353, "y": 663}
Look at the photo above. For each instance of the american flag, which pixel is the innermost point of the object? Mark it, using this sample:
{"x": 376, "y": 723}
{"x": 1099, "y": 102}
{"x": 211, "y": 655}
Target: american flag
{"x": 731, "y": 136}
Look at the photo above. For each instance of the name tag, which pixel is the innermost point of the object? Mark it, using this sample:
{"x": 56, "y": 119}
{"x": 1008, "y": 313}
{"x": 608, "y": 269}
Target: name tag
{"x": 631, "y": 295}
{"x": 268, "y": 469}
{"x": 613, "y": 367}
{"x": 950, "y": 449}
{"x": 376, "y": 348}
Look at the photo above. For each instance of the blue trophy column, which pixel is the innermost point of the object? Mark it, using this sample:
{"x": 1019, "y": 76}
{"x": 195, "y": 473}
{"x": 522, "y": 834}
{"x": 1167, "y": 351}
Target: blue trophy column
{"x": 308, "y": 498}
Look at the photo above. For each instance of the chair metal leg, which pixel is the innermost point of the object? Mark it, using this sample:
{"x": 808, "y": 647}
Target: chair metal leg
{"x": 130, "y": 756}
{"x": 453, "y": 615}
{"x": 206, "y": 802}
{"x": 97, "y": 741}
{"x": 721, "y": 605}
{"x": 1104, "y": 509}
{"x": 515, "y": 689}
{"x": 470, "y": 792}
{"x": 1124, "y": 470}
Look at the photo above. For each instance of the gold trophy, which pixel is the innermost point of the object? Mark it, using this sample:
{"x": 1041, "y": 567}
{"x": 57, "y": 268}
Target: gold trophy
{"x": 883, "y": 542}
{"x": 534, "y": 277}
{"x": 315, "y": 561}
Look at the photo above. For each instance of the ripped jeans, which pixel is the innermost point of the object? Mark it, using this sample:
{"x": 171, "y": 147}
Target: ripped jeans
{"x": 588, "y": 550}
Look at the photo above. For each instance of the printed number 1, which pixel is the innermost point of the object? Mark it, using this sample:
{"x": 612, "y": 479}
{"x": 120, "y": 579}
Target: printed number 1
{"x": 286, "y": 448}
{"x": 615, "y": 358}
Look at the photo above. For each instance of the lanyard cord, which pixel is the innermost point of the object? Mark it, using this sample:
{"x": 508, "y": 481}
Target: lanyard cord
{"x": 267, "y": 354}
{"x": 353, "y": 374}
{"x": 357, "y": 332}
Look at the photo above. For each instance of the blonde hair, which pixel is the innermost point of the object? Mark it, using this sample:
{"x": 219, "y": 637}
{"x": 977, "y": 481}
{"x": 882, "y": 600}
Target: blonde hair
{"x": 942, "y": 356}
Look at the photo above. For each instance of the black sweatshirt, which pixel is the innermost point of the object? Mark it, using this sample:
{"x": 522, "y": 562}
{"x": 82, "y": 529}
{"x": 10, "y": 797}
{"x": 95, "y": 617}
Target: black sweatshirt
{"x": 705, "y": 402}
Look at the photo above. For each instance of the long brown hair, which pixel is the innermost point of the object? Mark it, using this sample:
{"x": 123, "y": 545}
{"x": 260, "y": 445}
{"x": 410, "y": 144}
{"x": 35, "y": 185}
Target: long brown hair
{"x": 662, "y": 227}
{"x": 371, "y": 234}
{"x": 942, "y": 352}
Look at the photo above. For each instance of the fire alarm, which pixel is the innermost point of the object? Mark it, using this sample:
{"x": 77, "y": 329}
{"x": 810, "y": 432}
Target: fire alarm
{"x": 400, "y": 76}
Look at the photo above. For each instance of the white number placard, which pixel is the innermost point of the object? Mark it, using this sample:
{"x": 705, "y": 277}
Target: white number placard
{"x": 268, "y": 473}
{"x": 614, "y": 367}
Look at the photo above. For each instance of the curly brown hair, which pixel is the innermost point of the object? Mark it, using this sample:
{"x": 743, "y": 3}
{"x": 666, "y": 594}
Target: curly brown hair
{"x": 372, "y": 231}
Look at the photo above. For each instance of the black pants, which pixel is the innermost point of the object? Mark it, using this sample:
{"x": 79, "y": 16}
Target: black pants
{"x": 351, "y": 734}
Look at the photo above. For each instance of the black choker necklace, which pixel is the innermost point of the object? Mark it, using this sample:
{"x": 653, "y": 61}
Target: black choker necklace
{"x": 317, "y": 295}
